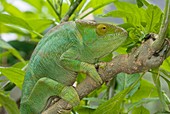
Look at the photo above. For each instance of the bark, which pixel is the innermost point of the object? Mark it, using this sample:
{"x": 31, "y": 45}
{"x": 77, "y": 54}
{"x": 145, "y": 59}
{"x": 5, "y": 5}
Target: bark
{"x": 139, "y": 60}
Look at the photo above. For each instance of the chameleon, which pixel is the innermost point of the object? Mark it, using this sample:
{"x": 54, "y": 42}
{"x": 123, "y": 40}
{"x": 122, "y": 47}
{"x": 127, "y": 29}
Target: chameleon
{"x": 68, "y": 49}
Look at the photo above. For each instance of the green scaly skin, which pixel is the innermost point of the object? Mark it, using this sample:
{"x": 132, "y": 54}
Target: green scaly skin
{"x": 66, "y": 50}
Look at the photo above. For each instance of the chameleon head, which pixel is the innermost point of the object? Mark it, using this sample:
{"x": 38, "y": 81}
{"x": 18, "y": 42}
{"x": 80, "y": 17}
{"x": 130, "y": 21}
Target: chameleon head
{"x": 101, "y": 38}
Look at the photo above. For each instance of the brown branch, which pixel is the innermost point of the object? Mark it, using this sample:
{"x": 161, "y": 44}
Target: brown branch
{"x": 140, "y": 59}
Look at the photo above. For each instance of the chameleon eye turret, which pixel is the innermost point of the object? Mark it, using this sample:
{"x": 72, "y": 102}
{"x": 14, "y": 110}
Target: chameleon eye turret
{"x": 101, "y": 29}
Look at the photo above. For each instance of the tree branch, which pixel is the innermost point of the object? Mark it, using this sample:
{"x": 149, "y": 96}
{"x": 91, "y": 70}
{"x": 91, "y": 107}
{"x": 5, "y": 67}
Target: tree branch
{"x": 140, "y": 59}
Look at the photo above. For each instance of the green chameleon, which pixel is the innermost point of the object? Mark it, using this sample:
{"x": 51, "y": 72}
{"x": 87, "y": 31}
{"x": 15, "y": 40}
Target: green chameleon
{"x": 68, "y": 49}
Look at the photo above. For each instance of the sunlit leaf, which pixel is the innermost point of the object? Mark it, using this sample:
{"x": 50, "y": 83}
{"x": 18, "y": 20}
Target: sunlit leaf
{"x": 40, "y": 25}
{"x": 129, "y": 9}
{"x": 15, "y": 21}
{"x": 38, "y": 4}
{"x": 9, "y": 104}
{"x": 98, "y": 6}
{"x": 4, "y": 28}
{"x": 153, "y": 17}
{"x": 5, "y": 45}
{"x": 166, "y": 64}
{"x": 11, "y": 9}
{"x": 15, "y": 75}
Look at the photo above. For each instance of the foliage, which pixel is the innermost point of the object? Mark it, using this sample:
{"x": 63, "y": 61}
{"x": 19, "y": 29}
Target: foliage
{"x": 124, "y": 94}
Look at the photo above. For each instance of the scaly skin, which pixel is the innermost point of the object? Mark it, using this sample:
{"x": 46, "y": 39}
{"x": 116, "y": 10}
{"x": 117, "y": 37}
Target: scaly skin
{"x": 67, "y": 49}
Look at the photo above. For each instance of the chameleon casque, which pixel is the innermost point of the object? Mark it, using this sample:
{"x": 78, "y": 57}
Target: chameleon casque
{"x": 68, "y": 49}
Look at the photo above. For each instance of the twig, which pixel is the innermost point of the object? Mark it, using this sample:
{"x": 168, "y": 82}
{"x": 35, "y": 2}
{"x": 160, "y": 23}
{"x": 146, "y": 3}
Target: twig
{"x": 71, "y": 11}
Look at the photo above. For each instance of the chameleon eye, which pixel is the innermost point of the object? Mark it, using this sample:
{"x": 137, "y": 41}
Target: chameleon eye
{"x": 101, "y": 29}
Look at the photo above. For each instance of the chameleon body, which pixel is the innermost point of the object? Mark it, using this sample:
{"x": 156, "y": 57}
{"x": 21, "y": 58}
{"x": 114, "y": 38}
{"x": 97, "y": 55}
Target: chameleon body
{"x": 68, "y": 49}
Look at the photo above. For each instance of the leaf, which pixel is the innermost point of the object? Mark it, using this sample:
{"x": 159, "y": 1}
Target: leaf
{"x": 95, "y": 4}
{"x": 84, "y": 110}
{"x": 113, "y": 105}
{"x": 5, "y": 45}
{"x": 40, "y": 25}
{"x": 146, "y": 90}
{"x": 166, "y": 64}
{"x": 15, "y": 21}
{"x": 38, "y": 4}
{"x": 128, "y": 16}
{"x": 140, "y": 110}
{"x": 139, "y": 3}
{"x": 129, "y": 9}
{"x": 141, "y": 102}
{"x": 15, "y": 75}
{"x": 4, "y": 28}
{"x": 9, "y": 104}
{"x": 125, "y": 80}
{"x": 153, "y": 17}
{"x": 11, "y": 9}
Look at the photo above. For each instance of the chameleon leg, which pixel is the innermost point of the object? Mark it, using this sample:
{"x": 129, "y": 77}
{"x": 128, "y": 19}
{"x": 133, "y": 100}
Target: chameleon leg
{"x": 43, "y": 89}
{"x": 69, "y": 61}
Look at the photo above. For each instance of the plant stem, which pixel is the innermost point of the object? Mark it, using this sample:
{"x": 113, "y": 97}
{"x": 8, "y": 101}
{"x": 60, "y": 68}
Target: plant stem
{"x": 164, "y": 26}
{"x": 54, "y": 9}
{"x": 71, "y": 11}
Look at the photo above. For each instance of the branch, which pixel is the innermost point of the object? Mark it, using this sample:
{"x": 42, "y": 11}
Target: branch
{"x": 71, "y": 11}
{"x": 140, "y": 59}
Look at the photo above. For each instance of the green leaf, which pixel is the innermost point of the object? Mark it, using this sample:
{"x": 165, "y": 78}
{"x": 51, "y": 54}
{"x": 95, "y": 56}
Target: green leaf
{"x": 15, "y": 21}
{"x": 84, "y": 110}
{"x": 5, "y": 45}
{"x": 113, "y": 105}
{"x": 131, "y": 10}
{"x": 38, "y": 4}
{"x": 139, "y": 3}
{"x": 9, "y": 104}
{"x": 125, "y": 80}
{"x": 146, "y": 90}
{"x": 4, "y": 28}
{"x": 40, "y": 25}
{"x": 153, "y": 17}
{"x": 166, "y": 64}
{"x": 97, "y": 6}
{"x": 128, "y": 16}
{"x": 142, "y": 102}
{"x": 15, "y": 75}
{"x": 140, "y": 110}
{"x": 12, "y": 10}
